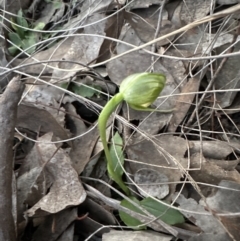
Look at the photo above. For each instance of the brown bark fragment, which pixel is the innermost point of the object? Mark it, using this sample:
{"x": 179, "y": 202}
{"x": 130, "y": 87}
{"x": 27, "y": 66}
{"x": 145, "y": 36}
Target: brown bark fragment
{"x": 8, "y": 113}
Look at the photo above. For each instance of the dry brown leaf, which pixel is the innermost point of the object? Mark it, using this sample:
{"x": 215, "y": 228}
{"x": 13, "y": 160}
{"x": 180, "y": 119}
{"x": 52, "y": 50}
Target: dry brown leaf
{"x": 227, "y": 2}
{"x": 35, "y": 119}
{"x": 228, "y": 78}
{"x": 142, "y": 4}
{"x": 98, "y": 212}
{"x": 192, "y": 10}
{"x": 225, "y": 164}
{"x": 151, "y": 182}
{"x": 226, "y": 200}
{"x": 31, "y": 182}
{"x": 208, "y": 223}
{"x": 147, "y": 156}
{"x": 212, "y": 149}
{"x": 76, "y": 124}
{"x": 54, "y": 225}
{"x": 183, "y": 103}
{"x": 68, "y": 234}
{"x": 209, "y": 172}
{"x": 82, "y": 149}
{"x": 34, "y": 62}
{"x": 90, "y": 226}
{"x": 115, "y": 235}
{"x": 66, "y": 189}
{"x": 145, "y": 28}
{"x": 84, "y": 49}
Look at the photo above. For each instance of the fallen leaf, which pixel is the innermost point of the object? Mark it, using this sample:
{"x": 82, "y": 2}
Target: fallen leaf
{"x": 66, "y": 189}
{"x": 228, "y": 78}
{"x": 152, "y": 182}
{"x": 183, "y": 103}
{"x": 200, "y": 217}
{"x": 115, "y": 235}
{"x": 147, "y": 155}
{"x": 55, "y": 225}
{"x": 35, "y": 119}
{"x": 226, "y": 200}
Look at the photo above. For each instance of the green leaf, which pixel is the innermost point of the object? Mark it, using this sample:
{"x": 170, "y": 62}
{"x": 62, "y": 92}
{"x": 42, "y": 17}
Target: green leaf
{"x": 64, "y": 85}
{"x": 39, "y": 26}
{"x": 23, "y": 23}
{"x": 116, "y": 154}
{"x": 126, "y": 218}
{"x": 13, "y": 50}
{"x": 21, "y": 20}
{"x": 84, "y": 91}
{"x": 14, "y": 37}
{"x": 26, "y": 43}
{"x": 168, "y": 215}
{"x": 13, "y": 24}
{"x": 57, "y": 4}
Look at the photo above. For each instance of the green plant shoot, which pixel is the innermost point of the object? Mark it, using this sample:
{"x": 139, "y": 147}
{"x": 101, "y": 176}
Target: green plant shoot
{"x": 139, "y": 91}
{"x": 23, "y": 37}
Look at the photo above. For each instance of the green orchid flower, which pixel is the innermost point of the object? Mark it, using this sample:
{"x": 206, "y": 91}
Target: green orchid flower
{"x": 139, "y": 91}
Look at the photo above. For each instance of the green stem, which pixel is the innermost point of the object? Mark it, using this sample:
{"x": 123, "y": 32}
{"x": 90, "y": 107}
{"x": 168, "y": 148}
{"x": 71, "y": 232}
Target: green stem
{"x": 109, "y": 108}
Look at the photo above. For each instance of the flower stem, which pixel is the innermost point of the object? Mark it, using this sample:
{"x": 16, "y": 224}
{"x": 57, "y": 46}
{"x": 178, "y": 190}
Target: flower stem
{"x": 109, "y": 108}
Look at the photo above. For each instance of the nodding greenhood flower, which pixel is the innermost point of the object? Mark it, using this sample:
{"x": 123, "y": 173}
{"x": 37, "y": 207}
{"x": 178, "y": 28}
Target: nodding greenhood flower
{"x": 142, "y": 89}
{"x": 139, "y": 91}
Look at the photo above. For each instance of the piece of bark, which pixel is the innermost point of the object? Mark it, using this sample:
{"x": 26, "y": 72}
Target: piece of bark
{"x": 8, "y": 113}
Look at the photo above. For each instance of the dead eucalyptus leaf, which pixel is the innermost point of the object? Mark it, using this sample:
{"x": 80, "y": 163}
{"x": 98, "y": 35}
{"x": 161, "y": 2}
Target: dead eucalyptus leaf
{"x": 227, "y": 200}
{"x": 115, "y": 235}
{"x": 208, "y": 223}
{"x": 192, "y": 10}
{"x": 152, "y": 183}
{"x": 228, "y": 78}
{"x": 146, "y": 28}
{"x": 142, "y": 4}
{"x": 66, "y": 189}
{"x": 211, "y": 149}
{"x": 183, "y": 103}
{"x": 35, "y": 119}
{"x": 34, "y": 62}
{"x": 209, "y": 172}
{"x": 227, "y": 2}
{"x": 148, "y": 155}
{"x": 82, "y": 149}
{"x": 84, "y": 49}
{"x": 54, "y": 225}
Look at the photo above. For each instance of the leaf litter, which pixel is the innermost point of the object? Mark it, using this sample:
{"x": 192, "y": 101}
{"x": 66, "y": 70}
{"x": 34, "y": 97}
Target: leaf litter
{"x": 183, "y": 163}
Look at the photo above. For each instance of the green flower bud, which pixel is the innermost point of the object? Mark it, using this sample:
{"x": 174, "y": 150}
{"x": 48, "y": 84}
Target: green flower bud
{"x": 142, "y": 89}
